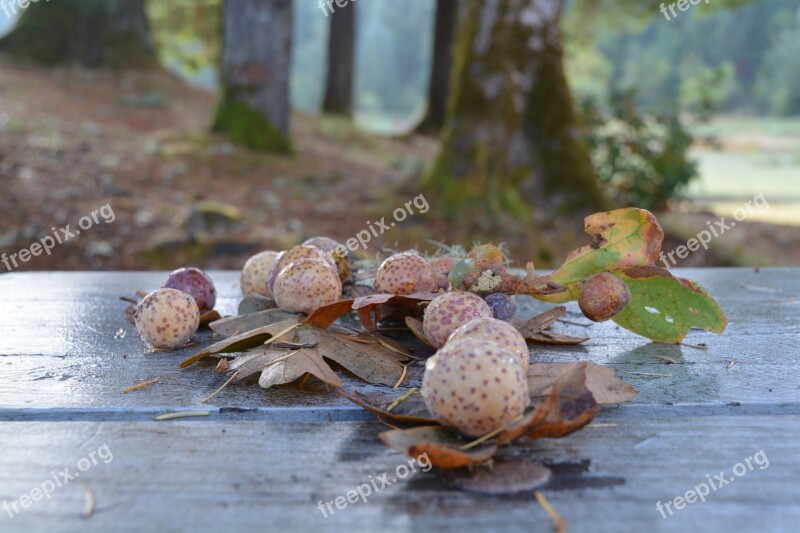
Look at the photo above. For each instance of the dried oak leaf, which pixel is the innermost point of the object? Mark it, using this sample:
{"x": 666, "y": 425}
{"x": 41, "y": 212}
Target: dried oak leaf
{"x": 411, "y": 410}
{"x": 601, "y": 380}
{"x": 375, "y": 307}
{"x": 441, "y": 446}
{"x": 415, "y": 327}
{"x": 551, "y": 337}
{"x": 541, "y": 322}
{"x": 278, "y": 367}
{"x": 243, "y": 323}
{"x": 502, "y": 476}
{"x": 568, "y": 407}
{"x": 241, "y": 342}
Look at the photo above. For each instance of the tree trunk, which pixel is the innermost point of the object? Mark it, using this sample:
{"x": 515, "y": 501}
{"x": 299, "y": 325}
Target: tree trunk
{"x": 94, "y": 33}
{"x": 512, "y": 140}
{"x": 256, "y": 57}
{"x": 439, "y": 84}
{"x": 341, "y": 51}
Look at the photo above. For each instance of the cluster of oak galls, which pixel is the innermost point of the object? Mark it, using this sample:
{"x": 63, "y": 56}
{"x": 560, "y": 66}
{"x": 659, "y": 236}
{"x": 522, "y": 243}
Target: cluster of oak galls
{"x": 477, "y": 380}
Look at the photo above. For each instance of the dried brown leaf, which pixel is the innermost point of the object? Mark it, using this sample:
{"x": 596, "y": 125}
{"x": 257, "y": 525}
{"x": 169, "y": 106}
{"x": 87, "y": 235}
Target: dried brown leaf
{"x": 439, "y": 444}
{"x": 504, "y": 476}
{"x": 602, "y": 381}
{"x": 541, "y": 322}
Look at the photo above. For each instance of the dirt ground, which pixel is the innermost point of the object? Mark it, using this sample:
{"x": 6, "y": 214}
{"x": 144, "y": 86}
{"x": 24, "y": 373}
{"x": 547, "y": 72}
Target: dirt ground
{"x": 73, "y": 141}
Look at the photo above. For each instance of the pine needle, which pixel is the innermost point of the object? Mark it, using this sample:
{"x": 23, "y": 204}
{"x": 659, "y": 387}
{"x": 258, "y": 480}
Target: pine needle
{"x": 182, "y": 414}
{"x": 401, "y": 398}
{"x": 402, "y": 377}
{"x": 233, "y": 376}
{"x": 561, "y": 525}
{"x": 491, "y": 434}
{"x": 142, "y": 385}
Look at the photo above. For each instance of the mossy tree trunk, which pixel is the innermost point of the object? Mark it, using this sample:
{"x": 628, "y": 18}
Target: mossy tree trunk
{"x": 512, "y": 141}
{"x": 94, "y": 33}
{"x": 441, "y": 65}
{"x": 341, "y": 57}
{"x": 254, "y": 108}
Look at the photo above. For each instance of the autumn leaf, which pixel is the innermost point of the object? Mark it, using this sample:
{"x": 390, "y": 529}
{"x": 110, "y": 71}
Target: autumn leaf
{"x": 602, "y": 381}
{"x": 621, "y": 238}
{"x": 239, "y": 343}
{"x": 375, "y": 307}
{"x": 557, "y": 339}
{"x": 541, "y": 322}
{"x": 569, "y": 405}
{"x": 294, "y": 366}
{"x": 504, "y": 476}
{"x": 441, "y": 446}
{"x": 411, "y": 410}
{"x": 664, "y": 308}
{"x": 327, "y": 315}
{"x": 244, "y": 323}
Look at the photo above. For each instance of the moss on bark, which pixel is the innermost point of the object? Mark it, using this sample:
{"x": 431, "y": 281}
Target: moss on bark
{"x": 249, "y": 127}
{"x": 512, "y": 142}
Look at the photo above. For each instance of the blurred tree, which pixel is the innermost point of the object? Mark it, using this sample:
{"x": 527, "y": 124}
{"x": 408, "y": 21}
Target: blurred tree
{"x": 94, "y": 33}
{"x": 511, "y": 138}
{"x": 446, "y": 15}
{"x": 256, "y": 56}
{"x": 341, "y": 53}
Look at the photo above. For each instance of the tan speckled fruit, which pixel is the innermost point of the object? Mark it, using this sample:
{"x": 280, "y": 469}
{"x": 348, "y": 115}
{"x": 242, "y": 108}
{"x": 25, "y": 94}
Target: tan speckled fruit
{"x": 167, "y": 318}
{"x": 306, "y": 285}
{"x": 499, "y": 333}
{"x": 255, "y": 274}
{"x": 602, "y": 296}
{"x": 294, "y": 254}
{"x": 340, "y": 256}
{"x": 441, "y": 268}
{"x": 449, "y": 311}
{"x": 475, "y": 387}
{"x": 404, "y": 273}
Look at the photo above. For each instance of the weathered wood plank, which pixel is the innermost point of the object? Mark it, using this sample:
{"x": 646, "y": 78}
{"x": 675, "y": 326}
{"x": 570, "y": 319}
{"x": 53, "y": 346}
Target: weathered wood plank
{"x": 196, "y": 475}
{"x": 59, "y": 348}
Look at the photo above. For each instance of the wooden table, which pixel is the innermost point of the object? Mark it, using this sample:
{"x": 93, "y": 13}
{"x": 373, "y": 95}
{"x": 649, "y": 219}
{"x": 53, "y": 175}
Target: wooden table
{"x": 264, "y": 459}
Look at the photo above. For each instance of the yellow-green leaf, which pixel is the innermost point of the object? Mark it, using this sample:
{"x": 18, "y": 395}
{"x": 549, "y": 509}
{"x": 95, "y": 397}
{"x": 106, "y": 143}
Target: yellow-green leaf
{"x": 620, "y": 239}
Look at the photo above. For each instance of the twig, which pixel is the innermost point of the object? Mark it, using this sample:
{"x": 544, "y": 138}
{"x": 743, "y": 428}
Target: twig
{"x": 400, "y": 399}
{"x": 561, "y": 525}
{"x": 182, "y": 414}
{"x": 129, "y": 300}
{"x": 142, "y": 385}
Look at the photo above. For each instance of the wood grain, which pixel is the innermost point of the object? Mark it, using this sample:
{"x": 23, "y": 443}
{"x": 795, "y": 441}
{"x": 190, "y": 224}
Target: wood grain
{"x": 263, "y": 459}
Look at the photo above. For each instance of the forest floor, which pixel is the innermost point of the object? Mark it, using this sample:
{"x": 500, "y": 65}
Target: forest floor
{"x": 73, "y": 141}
